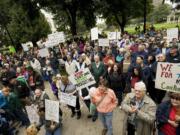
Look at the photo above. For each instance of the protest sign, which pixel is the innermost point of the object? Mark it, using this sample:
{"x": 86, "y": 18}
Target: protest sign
{"x": 172, "y": 33}
{"x": 94, "y": 33}
{"x": 168, "y": 77}
{"x": 103, "y": 42}
{"x": 82, "y": 79}
{"x": 27, "y": 46}
{"x": 43, "y": 52}
{"x": 52, "y": 110}
{"x": 40, "y": 43}
{"x": 114, "y": 35}
{"x": 67, "y": 99}
{"x": 32, "y": 112}
{"x": 54, "y": 39}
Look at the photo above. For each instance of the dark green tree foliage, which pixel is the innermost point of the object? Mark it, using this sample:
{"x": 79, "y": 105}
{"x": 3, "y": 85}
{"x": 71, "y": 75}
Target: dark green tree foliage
{"x": 23, "y": 20}
{"x": 160, "y": 14}
{"x": 119, "y": 12}
{"x": 68, "y": 12}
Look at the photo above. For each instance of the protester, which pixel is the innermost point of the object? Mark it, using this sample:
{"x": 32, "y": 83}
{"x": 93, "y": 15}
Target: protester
{"x": 105, "y": 101}
{"x": 98, "y": 69}
{"x": 115, "y": 80}
{"x": 67, "y": 87}
{"x": 140, "y": 110}
{"x": 168, "y": 116}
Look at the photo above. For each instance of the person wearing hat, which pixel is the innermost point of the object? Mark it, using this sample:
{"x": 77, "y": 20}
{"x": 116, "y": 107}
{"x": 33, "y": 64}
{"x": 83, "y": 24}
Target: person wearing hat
{"x": 173, "y": 56}
{"x": 168, "y": 115}
{"x": 139, "y": 110}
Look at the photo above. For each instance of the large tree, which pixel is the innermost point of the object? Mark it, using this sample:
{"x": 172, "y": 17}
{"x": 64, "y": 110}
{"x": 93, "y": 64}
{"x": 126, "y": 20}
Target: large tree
{"x": 70, "y": 11}
{"x": 22, "y": 21}
{"x": 119, "y": 12}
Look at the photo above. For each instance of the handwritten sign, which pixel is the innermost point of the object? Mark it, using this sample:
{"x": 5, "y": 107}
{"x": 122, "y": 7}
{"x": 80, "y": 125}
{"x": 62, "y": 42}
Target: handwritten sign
{"x": 168, "y": 77}
{"x": 94, "y": 33}
{"x": 82, "y": 79}
{"x": 103, "y": 42}
{"x": 52, "y": 110}
{"x": 32, "y": 113}
{"x": 67, "y": 99}
{"x": 172, "y": 33}
{"x": 43, "y": 52}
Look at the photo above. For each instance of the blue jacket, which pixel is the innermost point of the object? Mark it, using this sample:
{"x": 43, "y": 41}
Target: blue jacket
{"x": 162, "y": 115}
{"x": 3, "y": 101}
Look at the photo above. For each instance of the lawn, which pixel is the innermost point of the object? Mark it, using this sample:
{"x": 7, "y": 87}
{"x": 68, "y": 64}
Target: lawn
{"x": 131, "y": 29}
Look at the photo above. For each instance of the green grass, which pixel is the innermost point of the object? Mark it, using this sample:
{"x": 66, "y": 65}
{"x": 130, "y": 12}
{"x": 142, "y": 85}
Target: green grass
{"x": 131, "y": 29}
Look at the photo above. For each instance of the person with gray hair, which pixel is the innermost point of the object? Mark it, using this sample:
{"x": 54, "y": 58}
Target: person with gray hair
{"x": 140, "y": 111}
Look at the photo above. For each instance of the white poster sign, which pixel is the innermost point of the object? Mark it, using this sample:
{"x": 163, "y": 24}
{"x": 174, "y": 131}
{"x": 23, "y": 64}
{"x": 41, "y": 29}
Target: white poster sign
{"x": 172, "y": 33}
{"x": 103, "y": 42}
{"x": 54, "y": 39}
{"x": 44, "y": 52}
{"x": 67, "y": 99}
{"x": 82, "y": 79}
{"x": 32, "y": 112}
{"x": 52, "y": 110}
{"x": 114, "y": 35}
{"x": 27, "y": 46}
{"x": 40, "y": 43}
{"x": 168, "y": 77}
{"x": 94, "y": 33}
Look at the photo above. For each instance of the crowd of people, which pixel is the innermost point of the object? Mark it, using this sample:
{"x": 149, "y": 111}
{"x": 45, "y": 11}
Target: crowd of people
{"x": 130, "y": 88}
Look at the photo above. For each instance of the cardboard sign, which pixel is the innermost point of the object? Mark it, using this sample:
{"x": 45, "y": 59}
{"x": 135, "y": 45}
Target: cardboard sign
{"x": 168, "y": 77}
{"x": 103, "y": 42}
{"x": 52, "y": 110}
{"x": 94, "y": 33}
{"x": 32, "y": 112}
{"x": 82, "y": 79}
{"x": 27, "y": 46}
{"x": 172, "y": 33}
{"x": 43, "y": 52}
{"x": 67, "y": 99}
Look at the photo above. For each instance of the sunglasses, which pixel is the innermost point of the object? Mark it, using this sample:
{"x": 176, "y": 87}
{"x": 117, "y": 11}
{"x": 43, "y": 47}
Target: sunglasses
{"x": 174, "y": 97}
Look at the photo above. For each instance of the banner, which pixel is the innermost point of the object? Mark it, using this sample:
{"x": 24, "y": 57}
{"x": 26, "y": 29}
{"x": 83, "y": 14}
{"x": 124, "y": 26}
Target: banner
{"x": 168, "y": 77}
{"x": 52, "y": 110}
{"x": 44, "y": 52}
{"x": 67, "y": 99}
{"x": 27, "y": 46}
{"x": 94, "y": 33}
{"x": 172, "y": 33}
{"x": 82, "y": 79}
{"x": 103, "y": 42}
{"x": 32, "y": 112}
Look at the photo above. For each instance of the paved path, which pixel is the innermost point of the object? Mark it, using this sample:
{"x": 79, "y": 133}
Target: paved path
{"x": 83, "y": 126}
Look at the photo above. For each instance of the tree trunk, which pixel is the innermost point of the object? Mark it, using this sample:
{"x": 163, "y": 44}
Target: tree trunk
{"x": 73, "y": 24}
{"x": 145, "y": 14}
{"x": 72, "y": 16}
{"x": 121, "y": 23}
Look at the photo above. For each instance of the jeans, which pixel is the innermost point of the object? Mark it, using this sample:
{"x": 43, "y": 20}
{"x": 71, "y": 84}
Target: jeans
{"x": 106, "y": 119}
{"x": 56, "y": 132}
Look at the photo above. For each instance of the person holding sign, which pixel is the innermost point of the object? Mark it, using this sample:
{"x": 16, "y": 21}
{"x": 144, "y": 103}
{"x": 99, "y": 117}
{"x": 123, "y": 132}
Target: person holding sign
{"x": 67, "y": 87}
{"x": 168, "y": 116}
